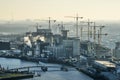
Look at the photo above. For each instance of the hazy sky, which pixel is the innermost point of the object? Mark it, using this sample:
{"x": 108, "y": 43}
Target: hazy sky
{"x": 37, "y": 9}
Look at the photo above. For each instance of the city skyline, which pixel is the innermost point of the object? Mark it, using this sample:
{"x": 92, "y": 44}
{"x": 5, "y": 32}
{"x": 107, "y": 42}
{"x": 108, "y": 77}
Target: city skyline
{"x": 40, "y": 9}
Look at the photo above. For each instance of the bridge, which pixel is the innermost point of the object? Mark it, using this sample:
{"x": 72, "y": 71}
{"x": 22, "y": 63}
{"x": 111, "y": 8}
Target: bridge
{"x": 43, "y": 68}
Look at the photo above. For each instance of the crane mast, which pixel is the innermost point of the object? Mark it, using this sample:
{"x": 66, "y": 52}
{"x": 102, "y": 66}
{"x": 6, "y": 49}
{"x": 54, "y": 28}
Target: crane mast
{"x": 77, "y": 19}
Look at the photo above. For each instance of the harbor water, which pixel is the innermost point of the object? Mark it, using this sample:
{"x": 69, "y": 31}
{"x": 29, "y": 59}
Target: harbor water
{"x": 51, "y": 74}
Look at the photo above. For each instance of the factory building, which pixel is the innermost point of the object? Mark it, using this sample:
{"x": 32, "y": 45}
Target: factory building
{"x": 72, "y": 47}
{"x": 4, "y": 45}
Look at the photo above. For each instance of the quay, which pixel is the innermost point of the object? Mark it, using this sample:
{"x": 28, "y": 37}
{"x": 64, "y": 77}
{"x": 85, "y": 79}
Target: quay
{"x": 6, "y": 74}
{"x": 14, "y": 76}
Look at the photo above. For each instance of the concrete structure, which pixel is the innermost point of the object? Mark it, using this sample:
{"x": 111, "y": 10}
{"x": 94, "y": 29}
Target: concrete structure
{"x": 68, "y": 48}
{"x": 102, "y": 52}
{"x": 57, "y": 39}
{"x": 4, "y": 45}
{"x": 88, "y": 48}
{"x": 58, "y": 51}
{"x": 72, "y": 47}
{"x": 116, "y": 53}
{"x": 37, "y": 50}
{"x": 64, "y": 33}
{"x": 76, "y": 47}
{"x": 95, "y": 50}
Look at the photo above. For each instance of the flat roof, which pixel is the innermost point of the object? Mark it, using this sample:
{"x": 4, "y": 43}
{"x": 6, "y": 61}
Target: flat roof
{"x": 106, "y": 63}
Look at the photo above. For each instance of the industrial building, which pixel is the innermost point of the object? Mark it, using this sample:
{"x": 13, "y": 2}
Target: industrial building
{"x": 4, "y": 45}
{"x": 116, "y": 52}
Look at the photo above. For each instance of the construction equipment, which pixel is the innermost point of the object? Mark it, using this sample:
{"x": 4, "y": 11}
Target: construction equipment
{"x": 77, "y": 18}
{"x": 49, "y": 21}
{"x": 99, "y": 33}
{"x": 92, "y": 31}
{"x": 63, "y": 25}
{"x": 89, "y": 28}
{"x": 37, "y": 26}
{"x": 100, "y": 36}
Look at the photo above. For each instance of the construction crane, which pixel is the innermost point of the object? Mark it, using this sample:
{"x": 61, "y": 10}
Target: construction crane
{"x": 99, "y": 33}
{"x": 62, "y": 25}
{"x": 89, "y": 29}
{"x": 49, "y": 21}
{"x": 36, "y": 25}
{"x": 93, "y": 32}
{"x": 77, "y": 18}
{"x": 81, "y": 30}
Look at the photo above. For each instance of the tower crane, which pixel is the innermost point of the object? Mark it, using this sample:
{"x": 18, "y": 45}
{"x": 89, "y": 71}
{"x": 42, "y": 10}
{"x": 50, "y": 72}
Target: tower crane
{"x": 99, "y": 33}
{"x": 89, "y": 29}
{"x": 77, "y": 18}
{"x": 49, "y": 21}
{"x": 37, "y": 26}
{"x": 62, "y": 25}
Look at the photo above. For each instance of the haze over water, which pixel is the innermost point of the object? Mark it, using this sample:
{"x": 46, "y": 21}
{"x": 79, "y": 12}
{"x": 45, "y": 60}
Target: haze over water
{"x": 111, "y": 28}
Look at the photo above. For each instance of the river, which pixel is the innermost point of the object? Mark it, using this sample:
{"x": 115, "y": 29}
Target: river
{"x": 51, "y": 74}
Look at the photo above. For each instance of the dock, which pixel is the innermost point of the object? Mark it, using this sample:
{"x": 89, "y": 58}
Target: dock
{"x": 14, "y": 76}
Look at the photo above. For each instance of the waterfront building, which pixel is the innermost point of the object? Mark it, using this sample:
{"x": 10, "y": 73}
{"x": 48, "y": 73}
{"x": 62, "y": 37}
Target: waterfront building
{"x": 72, "y": 47}
{"x": 69, "y": 47}
{"x": 58, "y": 51}
{"x": 102, "y": 52}
{"x": 95, "y": 50}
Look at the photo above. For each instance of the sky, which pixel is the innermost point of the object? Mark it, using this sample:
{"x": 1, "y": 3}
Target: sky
{"x": 57, "y": 9}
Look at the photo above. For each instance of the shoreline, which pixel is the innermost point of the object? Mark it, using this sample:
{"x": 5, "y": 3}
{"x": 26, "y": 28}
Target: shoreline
{"x": 55, "y": 62}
